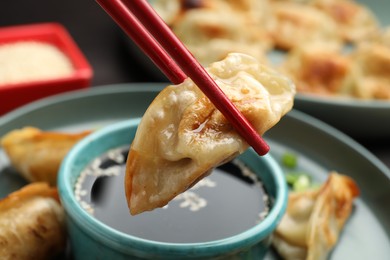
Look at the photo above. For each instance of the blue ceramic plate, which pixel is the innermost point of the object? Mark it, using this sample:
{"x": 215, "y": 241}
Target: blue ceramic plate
{"x": 320, "y": 148}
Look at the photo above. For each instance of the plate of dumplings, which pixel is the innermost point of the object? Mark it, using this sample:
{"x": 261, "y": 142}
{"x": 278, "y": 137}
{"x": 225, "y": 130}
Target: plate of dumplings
{"x": 337, "y": 52}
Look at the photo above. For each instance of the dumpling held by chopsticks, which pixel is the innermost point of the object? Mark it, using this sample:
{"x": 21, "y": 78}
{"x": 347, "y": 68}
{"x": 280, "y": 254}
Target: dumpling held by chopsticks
{"x": 182, "y": 136}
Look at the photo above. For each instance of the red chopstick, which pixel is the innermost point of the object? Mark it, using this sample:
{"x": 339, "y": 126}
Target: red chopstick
{"x": 129, "y": 23}
{"x": 172, "y": 57}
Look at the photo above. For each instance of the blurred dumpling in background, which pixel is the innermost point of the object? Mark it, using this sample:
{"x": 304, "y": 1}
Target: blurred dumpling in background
{"x": 297, "y": 24}
{"x": 370, "y": 78}
{"x": 327, "y": 70}
{"x": 262, "y": 28}
{"x": 182, "y": 136}
{"x": 32, "y": 224}
{"x": 318, "y": 68}
{"x": 213, "y": 28}
{"x": 168, "y": 10}
{"x": 354, "y": 21}
{"x": 385, "y": 37}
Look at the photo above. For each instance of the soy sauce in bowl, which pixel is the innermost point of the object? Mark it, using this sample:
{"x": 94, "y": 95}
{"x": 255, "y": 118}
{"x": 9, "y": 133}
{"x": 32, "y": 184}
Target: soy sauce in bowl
{"x": 227, "y": 202}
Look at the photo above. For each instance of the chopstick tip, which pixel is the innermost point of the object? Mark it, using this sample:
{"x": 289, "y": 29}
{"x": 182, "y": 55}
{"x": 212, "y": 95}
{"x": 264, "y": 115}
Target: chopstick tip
{"x": 261, "y": 147}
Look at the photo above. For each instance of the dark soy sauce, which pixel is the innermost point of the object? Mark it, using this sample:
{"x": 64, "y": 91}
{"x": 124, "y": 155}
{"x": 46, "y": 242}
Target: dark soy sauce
{"x": 227, "y": 202}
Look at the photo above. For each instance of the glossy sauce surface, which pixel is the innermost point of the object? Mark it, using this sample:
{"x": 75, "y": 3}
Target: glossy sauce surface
{"x": 227, "y": 202}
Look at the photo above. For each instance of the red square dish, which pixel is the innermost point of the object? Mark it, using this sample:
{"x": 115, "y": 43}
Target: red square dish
{"x": 15, "y": 94}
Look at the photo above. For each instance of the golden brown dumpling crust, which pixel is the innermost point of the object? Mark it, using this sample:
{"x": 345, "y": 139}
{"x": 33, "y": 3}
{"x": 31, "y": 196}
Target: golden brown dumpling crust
{"x": 371, "y": 69}
{"x": 32, "y": 224}
{"x": 325, "y": 70}
{"x": 298, "y": 24}
{"x": 38, "y": 154}
{"x": 374, "y": 59}
{"x": 314, "y": 219}
{"x": 318, "y": 69}
{"x": 385, "y": 37}
{"x": 182, "y": 136}
{"x": 355, "y": 22}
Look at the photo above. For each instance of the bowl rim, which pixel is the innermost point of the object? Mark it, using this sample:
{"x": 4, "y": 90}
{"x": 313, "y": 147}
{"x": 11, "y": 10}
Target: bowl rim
{"x": 102, "y": 231}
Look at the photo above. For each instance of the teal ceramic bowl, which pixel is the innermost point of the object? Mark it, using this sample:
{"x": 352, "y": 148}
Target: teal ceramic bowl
{"x": 92, "y": 239}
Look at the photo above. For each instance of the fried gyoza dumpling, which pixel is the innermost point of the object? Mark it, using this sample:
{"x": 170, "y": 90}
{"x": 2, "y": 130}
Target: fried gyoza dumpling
{"x": 385, "y": 37}
{"x": 314, "y": 219}
{"x": 371, "y": 70}
{"x": 211, "y": 29}
{"x": 318, "y": 68}
{"x": 37, "y": 154}
{"x": 182, "y": 136}
{"x": 298, "y": 24}
{"x": 32, "y": 223}
{"x": 382, "y": 37}
{"x": 354, "y": 21}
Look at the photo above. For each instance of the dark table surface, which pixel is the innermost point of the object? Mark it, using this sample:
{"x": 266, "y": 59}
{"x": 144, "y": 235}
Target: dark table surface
{"x": 105, "y": 46}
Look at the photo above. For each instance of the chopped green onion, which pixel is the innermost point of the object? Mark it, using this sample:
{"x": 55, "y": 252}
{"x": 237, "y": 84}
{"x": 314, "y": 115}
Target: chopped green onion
{"x": 303, "y": 183}
{"x": 289, "y": 160}
{"x": 299, "y": 181}
{"x": 291, "y": 178}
